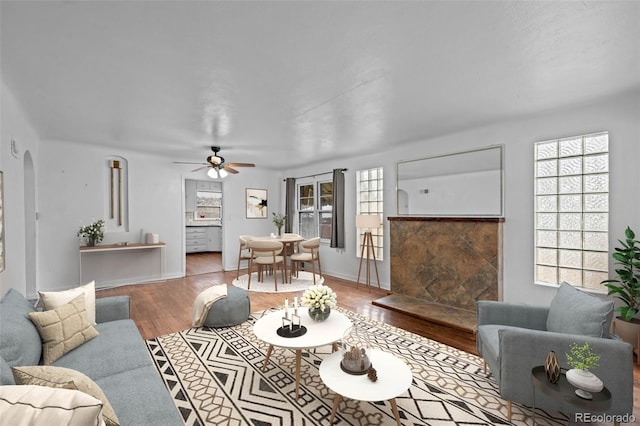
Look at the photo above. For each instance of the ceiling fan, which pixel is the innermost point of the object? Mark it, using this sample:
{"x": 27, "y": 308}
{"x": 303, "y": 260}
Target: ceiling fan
{"x": 217, "y": 166}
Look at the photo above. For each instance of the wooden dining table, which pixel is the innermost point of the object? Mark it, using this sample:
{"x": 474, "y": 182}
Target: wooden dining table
{"x": 288, "y": 241}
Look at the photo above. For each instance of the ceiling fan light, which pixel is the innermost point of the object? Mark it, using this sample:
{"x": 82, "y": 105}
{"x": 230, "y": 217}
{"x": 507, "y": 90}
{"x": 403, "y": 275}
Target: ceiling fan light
{"x": 223, "y": 173}
{"x": 212, "y": 173}
{"x": 214, "y": 159}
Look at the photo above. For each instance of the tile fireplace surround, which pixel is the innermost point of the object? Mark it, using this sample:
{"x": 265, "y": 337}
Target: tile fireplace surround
{"x": 447, "y": 261}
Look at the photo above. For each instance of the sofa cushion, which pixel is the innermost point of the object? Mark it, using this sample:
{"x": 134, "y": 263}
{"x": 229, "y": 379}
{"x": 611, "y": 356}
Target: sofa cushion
{"x": 41, "y": 405}
{"x": 19, "y": 339}
{"x": 153, "y": 406}
{"x": 575, "y": 312}
{"x": 59, "y": 377}
{"x": 90, "y": 358}
{"x": 63, "y": 329}
{"x": 55, "y": 299}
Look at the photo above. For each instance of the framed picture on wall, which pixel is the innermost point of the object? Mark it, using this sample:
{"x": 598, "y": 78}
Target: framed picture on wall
{"x": 1, "y": 222}
{"x": 256, "y": 203}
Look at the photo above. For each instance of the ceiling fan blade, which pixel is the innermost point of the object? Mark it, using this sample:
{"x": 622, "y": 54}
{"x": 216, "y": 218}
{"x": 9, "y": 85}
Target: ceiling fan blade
{"x": 200, "y": 168}
{"x": 230, "y": 170}
{"x": 189, "y": 162}
{"x": 241, "y": 164}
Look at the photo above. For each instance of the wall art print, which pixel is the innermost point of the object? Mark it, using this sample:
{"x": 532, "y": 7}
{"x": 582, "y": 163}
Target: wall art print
{"x": 256, "y": 203}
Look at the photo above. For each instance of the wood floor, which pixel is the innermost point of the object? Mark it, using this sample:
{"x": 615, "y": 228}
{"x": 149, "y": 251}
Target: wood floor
{"x": 165, "y": 307}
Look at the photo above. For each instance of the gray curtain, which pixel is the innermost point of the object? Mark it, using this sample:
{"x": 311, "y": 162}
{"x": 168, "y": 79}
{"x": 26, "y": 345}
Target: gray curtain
{"x": 337, "y": 219}
{"x": 290, "y": 203}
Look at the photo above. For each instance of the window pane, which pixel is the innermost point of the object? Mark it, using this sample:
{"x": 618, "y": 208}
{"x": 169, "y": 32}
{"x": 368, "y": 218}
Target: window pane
{"x": 570, "y": 166}
{"x": 596, "y": 222}
{"x": 571, "y": 258}
{"x": 547, "y": 204}
{"x": 325, "y": 225}
{"x": 570, "y": 147}
{"x": 546, "y": 150}
{"x": 546, "y": 168}
{"x": 547, "y": 274}
{"x": 307, "y": 225}
{"x": 571, "y": 276}
{"x": 597, "y": 241}
{"x": 547, "y": 239}
{"x": 596, "y": 183}
{"x": 547, "y": 221}
{"x": 570, "y": 185}
{"x": 594, "y": 260}
{"x": 592, "y": 279}
{"x": 596, "y": 143}
{"x": 596, "y": 163}
{"x": 570, "y": 203}
{"x": 571, "y": 221}
{"x": 547, "y": 186}
{"x": 547, "y": 256}
{"x": 568, "y": 239}
{"x": 596, "y": 202}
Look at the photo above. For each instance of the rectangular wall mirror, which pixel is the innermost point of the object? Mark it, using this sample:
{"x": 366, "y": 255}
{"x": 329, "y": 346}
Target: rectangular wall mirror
{"x": 461, "y": 184}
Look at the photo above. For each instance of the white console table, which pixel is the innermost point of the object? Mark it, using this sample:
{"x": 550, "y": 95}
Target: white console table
{"x": 116, "y": 264}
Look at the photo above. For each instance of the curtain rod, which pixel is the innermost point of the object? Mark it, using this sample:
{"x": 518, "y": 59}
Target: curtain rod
{"x": 317, "y": 174}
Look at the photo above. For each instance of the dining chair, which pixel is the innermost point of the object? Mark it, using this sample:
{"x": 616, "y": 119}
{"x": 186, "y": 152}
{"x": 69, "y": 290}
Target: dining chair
{"x": 309, "y": 252}
{"x": 264, "y": 254}
{"x": 243, "y": 253}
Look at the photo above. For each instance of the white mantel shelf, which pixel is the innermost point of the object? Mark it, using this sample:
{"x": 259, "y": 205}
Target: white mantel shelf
{"x": 117, "y": 264}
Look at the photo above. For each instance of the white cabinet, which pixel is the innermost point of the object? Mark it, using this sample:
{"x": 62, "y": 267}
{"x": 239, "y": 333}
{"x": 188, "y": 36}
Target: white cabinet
{"x": 196, "y": 237}
{"x": 214, "y": 238}
{"x": 203, "y": 238}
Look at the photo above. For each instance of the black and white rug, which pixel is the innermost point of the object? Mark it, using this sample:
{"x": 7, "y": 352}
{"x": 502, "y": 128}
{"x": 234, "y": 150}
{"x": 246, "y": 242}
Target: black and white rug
{"x": 215, "y": 377}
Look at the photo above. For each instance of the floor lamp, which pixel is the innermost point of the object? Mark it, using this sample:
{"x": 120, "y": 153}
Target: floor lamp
{"x": 368, "y": 222}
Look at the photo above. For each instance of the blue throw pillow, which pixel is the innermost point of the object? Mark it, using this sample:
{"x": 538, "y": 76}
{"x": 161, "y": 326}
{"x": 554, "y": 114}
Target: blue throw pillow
{"x": 575, "y": 312}
{"x": 20, "y": 342}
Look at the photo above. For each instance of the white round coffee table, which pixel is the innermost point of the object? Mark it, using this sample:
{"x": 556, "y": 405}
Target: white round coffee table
{"x": 322, "y": 333}
{"x": 394, "y": 378}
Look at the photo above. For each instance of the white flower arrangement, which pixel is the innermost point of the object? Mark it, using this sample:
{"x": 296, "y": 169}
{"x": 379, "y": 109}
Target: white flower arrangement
{"x": 93, "y": 232}
{"x": 319, "y": 296}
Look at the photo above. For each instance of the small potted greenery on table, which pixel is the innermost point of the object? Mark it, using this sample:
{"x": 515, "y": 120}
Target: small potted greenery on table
{"x": 93, "y": 233}
{"x": 278, "y": 220}
{"x": 581, "y": 359}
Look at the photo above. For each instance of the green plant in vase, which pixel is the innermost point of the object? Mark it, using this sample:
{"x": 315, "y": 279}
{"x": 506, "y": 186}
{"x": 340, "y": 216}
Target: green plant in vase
{"x": 278, "y": 220}
{"x": 93, "y": 233}
{"x": 627, "y": 286}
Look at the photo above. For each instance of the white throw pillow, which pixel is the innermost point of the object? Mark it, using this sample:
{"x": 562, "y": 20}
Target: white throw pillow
{"x": 55, "y": 299}
{"x": 42, "y": 405}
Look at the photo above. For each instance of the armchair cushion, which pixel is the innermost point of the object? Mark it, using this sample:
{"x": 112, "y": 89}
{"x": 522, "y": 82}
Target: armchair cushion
{"x": 575, "y": 312}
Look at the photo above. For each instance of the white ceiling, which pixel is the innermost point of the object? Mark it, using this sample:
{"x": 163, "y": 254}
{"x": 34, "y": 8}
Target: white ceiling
{"x": 287, "y": 83}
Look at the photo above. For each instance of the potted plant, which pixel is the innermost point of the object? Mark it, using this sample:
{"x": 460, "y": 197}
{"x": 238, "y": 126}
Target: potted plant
{"x": 92, "y": 234}
{"x": 626, "y": 288}
{"x": 581, "y": 358}
{"x": 278, "y": 220}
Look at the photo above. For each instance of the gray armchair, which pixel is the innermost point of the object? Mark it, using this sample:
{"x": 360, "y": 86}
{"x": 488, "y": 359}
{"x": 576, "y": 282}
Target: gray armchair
{"x": 512, "y": 339}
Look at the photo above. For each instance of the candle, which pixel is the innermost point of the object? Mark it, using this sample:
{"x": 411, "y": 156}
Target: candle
{"x": 286, "y": 307}
{"x": 295, "y": 302}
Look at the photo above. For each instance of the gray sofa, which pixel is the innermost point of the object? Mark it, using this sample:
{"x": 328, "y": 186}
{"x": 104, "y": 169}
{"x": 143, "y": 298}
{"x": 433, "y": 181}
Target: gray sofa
{"x": 514, "y": 338}
{"x": 117, "y": 359}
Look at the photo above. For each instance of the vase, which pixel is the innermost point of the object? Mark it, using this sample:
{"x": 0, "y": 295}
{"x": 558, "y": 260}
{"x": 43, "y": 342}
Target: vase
{"x": 91, "y": 242}
{"x": 279, "y": 231}
{"x": 319, "y": 314}
{"x": 585, "y": 381}
{"x": 552, "y": 367}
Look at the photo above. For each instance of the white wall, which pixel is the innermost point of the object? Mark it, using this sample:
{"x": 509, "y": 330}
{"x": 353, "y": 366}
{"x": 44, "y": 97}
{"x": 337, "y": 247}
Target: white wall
{"x": 13, "y": 124}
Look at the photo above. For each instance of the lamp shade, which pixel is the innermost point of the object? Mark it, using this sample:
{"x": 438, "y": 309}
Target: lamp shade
{"x": 213, "y": 173}
{"x": 370, "y": 221}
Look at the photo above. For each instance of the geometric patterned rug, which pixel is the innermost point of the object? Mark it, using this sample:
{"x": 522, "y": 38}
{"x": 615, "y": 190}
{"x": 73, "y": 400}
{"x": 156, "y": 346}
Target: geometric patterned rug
{"x": 215, "y": 378}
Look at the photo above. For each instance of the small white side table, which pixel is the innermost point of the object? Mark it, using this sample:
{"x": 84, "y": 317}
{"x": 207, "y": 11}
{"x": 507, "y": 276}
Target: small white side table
{"x": 318, "y": 334}
{"x": 394, "y": 378}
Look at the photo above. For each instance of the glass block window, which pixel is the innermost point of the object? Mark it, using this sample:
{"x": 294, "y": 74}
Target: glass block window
{"x": 572, "y": 211}
{"x": 370, "y": 201}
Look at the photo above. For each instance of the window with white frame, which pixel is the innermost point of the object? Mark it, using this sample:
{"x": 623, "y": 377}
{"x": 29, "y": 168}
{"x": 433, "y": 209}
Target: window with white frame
{"x": 315, "y": 209}
{"x": 572, "y": 211}
{"x": 370, "y": 201}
